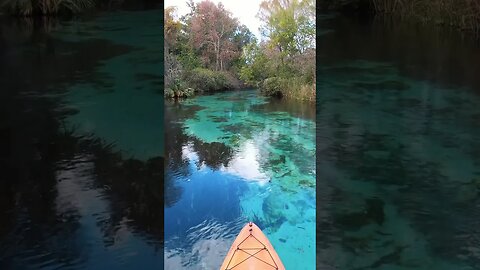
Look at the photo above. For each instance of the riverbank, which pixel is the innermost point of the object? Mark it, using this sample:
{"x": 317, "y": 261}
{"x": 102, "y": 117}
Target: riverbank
{"x": 200, "y": 80}
{"x": 463, "y": 15}
{"x": 210, "y": 50}
{"x": 289, "y": 88}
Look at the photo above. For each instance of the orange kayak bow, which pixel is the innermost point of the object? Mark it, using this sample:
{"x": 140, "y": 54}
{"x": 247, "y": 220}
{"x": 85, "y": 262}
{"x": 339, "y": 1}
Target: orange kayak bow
{"x": 251, "y": 250}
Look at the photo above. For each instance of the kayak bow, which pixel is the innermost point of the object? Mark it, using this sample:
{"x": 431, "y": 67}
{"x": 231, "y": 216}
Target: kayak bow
{"x": 251, "y": 250}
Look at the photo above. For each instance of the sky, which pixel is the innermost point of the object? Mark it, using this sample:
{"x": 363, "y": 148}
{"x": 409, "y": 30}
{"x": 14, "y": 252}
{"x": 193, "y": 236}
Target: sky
{"x": 244, "y": 10}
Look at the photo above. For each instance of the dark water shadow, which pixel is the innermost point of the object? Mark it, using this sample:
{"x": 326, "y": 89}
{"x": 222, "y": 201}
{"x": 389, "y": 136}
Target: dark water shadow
{"x": 438, "y": 54}
{"x": 35, "y": 71}
{"x": 381, "y": 133}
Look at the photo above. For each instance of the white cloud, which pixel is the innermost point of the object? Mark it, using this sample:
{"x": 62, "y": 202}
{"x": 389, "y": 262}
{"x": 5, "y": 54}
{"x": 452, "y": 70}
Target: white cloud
{"x": 246, "y": 165}
{"x": 245, "y": 11}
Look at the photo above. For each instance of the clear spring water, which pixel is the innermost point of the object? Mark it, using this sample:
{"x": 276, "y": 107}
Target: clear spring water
{"x": 236, "y": 157}
{"x": 82, "y": 143}
{"x": 122, "y": 103}
{"x": 398, "y": 129}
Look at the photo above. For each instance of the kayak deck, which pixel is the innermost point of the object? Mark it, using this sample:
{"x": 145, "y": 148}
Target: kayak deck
{"x": 251, "y": 250}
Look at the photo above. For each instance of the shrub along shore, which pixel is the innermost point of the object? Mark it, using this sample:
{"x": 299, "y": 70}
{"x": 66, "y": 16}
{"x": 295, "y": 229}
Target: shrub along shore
{"x": 209, "y": 50}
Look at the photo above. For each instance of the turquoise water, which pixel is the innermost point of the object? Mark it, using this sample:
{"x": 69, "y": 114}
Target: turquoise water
{"x": 81, "y": 142}
{"x": 234, "y": 157}
{"x": 121, "y": 102}
{"x": 397, "y": 148}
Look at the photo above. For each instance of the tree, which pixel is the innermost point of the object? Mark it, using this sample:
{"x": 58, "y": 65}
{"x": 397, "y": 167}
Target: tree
{"x": 243, "y": 36}
{"x": 171, "y": 27}
{"x": 255, "y": 64}
{"x": 212, "y": 31}
{"x": 171, "y": 30}
{"x": 289, "y": 25}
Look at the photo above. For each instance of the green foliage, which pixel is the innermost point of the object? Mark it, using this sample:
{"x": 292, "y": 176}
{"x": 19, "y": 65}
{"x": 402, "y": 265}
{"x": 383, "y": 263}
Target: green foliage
{"x": 168, "y": 93}
{"x": 207, "y": 80}
{"x": 243, "y": 36}
{"x": 45, "y": 7}
{"x": 292, "y": 88}
{"x": 208, "y": 45}
{"x": 187, "y": 57}
{"x": 289, "y": 25}
{"x": 282, "y": 28}
{"x": 207, "y": 38}
{"x": 171, "y": 27}
{"x": 274, "y": 86}
{"x": 183, "y": 93}
{"x": 255, "y": 62}
{"x": 178, "y": 89}
{"x": 284, "y": 65}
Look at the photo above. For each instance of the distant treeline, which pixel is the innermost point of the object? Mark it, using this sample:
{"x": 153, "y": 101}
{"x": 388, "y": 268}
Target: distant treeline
{"x": 461, "y": 14}
{"x": 208, "y": 49}
{"x": 29, "y": 8}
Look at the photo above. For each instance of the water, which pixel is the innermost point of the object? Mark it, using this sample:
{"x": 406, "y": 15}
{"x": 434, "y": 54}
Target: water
{"x": 398, "y": 184}
{"x": 81, "y": 142}
{"x": 81, "y": 152}
{"x": 234, "y": 157}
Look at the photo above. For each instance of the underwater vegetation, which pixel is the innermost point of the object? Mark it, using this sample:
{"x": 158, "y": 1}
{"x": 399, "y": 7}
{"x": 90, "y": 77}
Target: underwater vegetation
{"x": 372, "y": 212}
{"x": 262, "y": 154}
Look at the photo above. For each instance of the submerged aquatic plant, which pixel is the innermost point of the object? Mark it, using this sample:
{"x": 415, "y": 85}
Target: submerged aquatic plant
{"x": 45, "y": 7}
